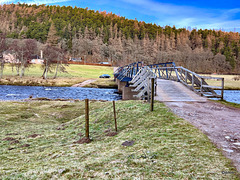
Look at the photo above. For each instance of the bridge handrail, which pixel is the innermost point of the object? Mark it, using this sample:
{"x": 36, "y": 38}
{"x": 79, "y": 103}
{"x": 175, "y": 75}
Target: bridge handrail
{"x": 140, "y": 73}
{"x": 180, "y": 67}
{"x": 128, "y": 71}
{"x": 122, "y": 75}
{"x": 205, "y": 77}
{"x": 198, "y": 83}
{"x": 141, "y": 82}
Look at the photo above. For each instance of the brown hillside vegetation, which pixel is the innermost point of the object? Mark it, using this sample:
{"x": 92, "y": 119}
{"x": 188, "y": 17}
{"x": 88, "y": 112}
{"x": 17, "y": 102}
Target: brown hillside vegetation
{"x": 96, "y": 36}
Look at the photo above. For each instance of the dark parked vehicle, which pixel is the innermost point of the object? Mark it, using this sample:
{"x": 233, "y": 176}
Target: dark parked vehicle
{"x": 104, "y": 76}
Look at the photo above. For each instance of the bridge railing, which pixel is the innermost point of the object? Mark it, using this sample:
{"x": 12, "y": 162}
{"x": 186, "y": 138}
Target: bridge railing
{"x": 128, "y": 71}
{"x": 192, "y": 80}
{"x": 142, "y": 83}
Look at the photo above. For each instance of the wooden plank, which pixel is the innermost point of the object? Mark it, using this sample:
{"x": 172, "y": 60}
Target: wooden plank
{"x": 140, "y": 80}
{"x": 212, "y": 87}
{"x": 143, "y": 84}
{"x": 208, "y": 77}
{"x": 138, "y": 75}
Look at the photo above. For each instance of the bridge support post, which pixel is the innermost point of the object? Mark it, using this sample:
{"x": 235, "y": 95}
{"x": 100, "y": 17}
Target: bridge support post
{"x": 193, "y": 82}
{"x": 128, "y": 94}
{"x": 148, "y": 90}
{"x": 121, "y": 85}
{"x": 201, "y": 88}
{"x": 186, "y": 77}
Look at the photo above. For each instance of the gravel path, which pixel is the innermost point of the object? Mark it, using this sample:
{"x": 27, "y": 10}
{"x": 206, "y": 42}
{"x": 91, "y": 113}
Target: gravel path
{"x": 84, "y": 83}
{"x": 220, "y": 123}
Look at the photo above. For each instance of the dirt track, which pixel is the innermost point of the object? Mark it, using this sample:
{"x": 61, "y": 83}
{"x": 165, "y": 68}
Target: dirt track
{"x": 220, "y": 123}
{"x": 84, "y": 83}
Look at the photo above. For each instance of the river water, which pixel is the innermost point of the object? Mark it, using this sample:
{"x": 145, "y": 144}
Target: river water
{"x": 23, "y": 92}
{"x": 231, "y": 95}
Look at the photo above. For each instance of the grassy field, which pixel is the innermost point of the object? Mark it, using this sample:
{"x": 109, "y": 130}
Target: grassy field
{"x": 229, "y": 82}
{"x": 37, "y": 141}
{"x": 85, "y": 71}
{"x": 76, "y": 74}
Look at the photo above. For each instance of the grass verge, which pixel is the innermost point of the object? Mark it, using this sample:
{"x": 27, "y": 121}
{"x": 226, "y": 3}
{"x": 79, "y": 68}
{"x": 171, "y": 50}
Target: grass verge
{"x": 37, "y": 141}
{"x": 226, "y": 103}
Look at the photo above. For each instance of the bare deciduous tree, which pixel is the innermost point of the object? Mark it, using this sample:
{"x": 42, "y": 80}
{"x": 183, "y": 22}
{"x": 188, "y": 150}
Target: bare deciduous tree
{"x": 54, "y": 60}
{"x": 61, "y": 62}
{"x": 49, "y": 56}
{"x": 3, "y": 47}
{"x": 23, "y": 50}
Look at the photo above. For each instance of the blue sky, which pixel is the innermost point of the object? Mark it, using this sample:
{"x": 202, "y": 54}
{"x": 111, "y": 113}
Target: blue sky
{"x": 212, "y": 14}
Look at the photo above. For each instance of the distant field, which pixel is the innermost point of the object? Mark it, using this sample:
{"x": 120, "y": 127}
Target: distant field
{"x": 86, "y": 71}
{"x": 37, "y": 141}
{"x": 75, "y": 74}
{"x": 229, "y": 82}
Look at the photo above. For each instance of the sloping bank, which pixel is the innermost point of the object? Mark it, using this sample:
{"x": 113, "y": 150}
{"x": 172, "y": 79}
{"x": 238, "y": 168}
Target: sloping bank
{"x": 38, "y": 140}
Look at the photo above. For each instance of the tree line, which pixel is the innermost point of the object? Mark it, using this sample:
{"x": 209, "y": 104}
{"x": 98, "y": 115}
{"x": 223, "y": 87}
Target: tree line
{"x": 100, "y": 36}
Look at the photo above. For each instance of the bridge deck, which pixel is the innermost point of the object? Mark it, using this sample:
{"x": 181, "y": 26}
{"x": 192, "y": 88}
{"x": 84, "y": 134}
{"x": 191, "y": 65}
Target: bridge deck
{"x": 170, "y": 91}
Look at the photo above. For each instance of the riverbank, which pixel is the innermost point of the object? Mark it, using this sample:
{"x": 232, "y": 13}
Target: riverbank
{"x": 41, "y": 138}
{"x": 59, "y": 82}
{"x": 228, "y": 104}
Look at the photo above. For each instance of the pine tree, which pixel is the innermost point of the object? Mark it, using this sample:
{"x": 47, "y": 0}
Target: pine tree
{"x": 53, "y": 38}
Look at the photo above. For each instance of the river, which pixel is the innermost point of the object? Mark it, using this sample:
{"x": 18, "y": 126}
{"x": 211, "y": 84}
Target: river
{"x": 23, "y": 92}
{"x": 231, "y": 95}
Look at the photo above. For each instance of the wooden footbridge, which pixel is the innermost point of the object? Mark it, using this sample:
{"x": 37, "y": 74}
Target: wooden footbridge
{"x": 171, "y": 83}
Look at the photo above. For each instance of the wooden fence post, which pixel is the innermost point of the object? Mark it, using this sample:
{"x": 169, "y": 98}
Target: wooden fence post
{"x": 115, "y": 118}
{"x": 86, "y": 118}
{"x": 222, "y": 91}
{"x": 152, "y": 94}
{"x": 148, "y": 90}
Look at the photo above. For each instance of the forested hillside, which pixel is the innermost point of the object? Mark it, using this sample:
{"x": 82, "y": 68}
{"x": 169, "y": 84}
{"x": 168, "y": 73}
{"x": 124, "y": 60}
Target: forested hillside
{"x": 100, "y": 36}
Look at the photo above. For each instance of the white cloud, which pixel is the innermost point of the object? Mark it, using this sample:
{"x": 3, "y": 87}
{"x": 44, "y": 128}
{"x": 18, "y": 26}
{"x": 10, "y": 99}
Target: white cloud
{"x": 149, "y": 6}
{"x": 184, "y": 16}
{"x": 4, "y": 1}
